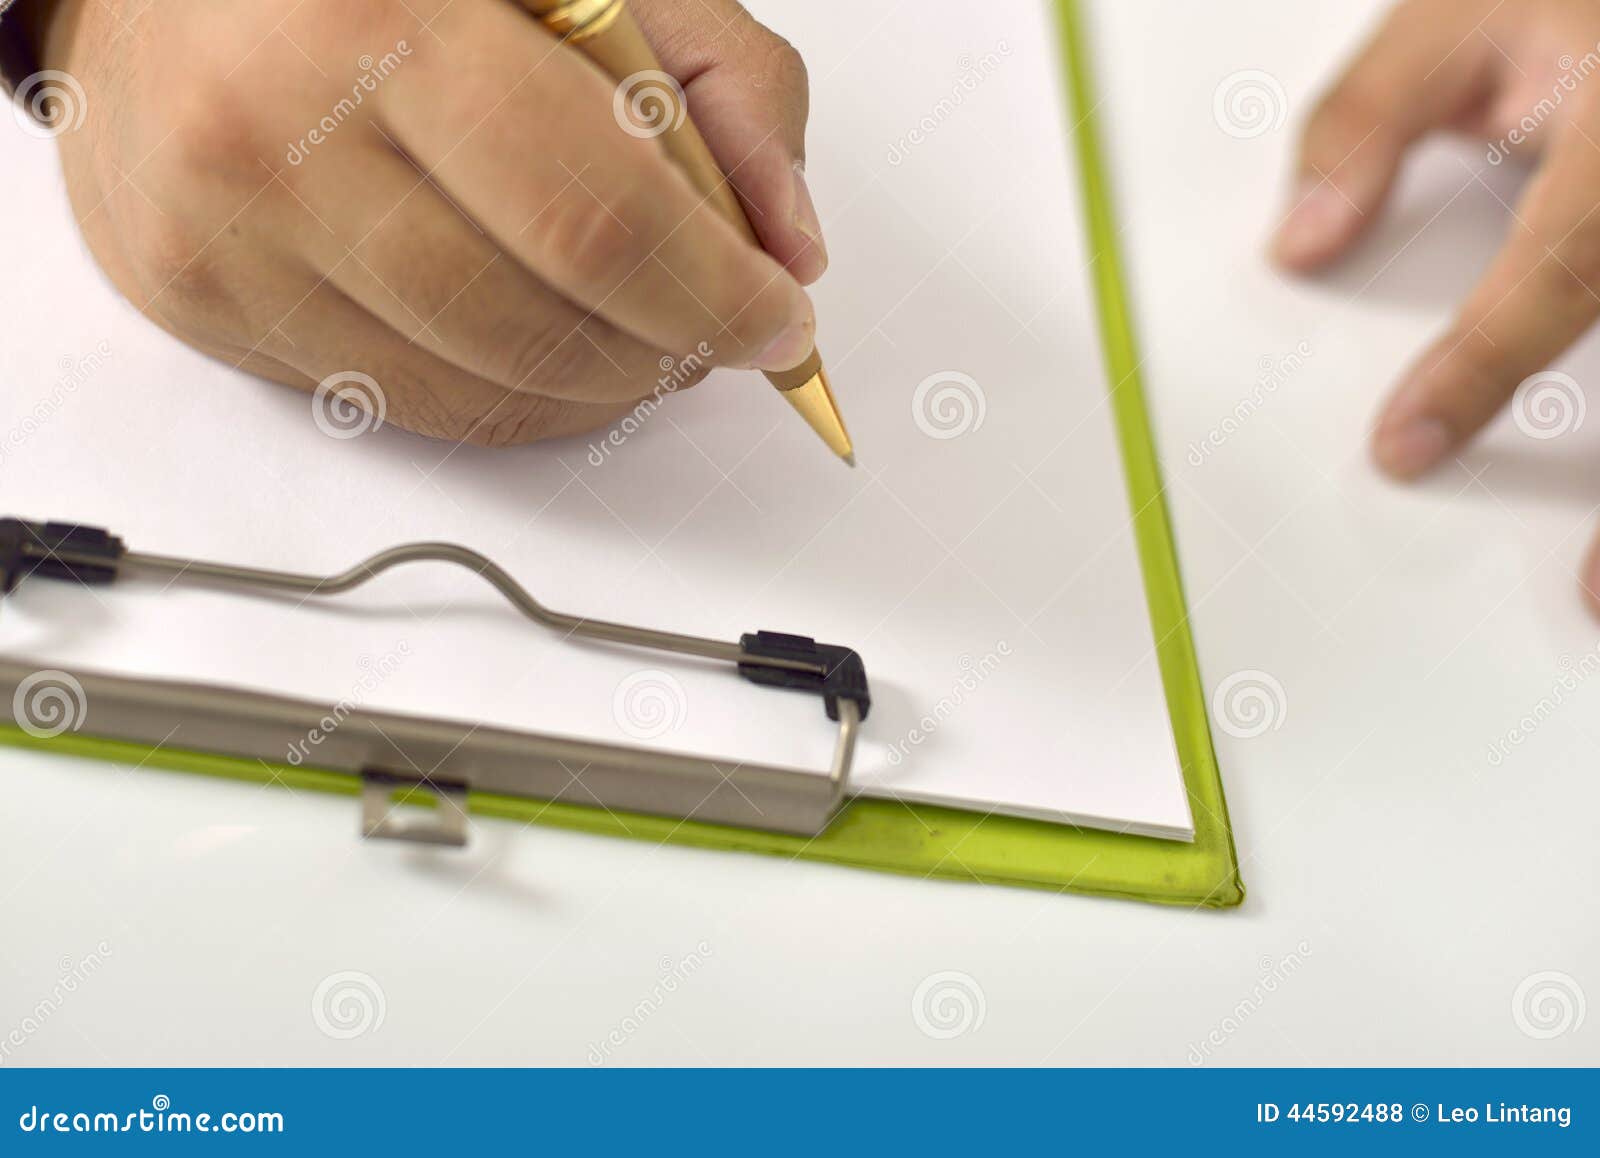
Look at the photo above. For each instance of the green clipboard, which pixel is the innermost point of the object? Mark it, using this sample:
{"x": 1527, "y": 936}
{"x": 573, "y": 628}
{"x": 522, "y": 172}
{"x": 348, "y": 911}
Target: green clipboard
{"x": 921, "y": 840}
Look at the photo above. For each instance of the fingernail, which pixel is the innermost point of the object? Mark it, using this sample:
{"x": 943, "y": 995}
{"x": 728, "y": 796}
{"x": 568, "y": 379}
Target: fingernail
{"x": 1413, "y": 447}
{"x": 1317, "y": 222}
{"x": 787, "y": 350}
{"x": 806, "y": 220}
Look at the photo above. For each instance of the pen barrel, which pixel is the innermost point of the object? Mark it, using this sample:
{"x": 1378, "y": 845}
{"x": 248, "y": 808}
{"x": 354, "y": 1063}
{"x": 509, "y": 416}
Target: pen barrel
{"x": 606, "y": 32}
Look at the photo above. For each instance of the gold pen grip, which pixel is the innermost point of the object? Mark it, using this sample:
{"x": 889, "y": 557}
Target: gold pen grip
{"x": 575, "y": 19}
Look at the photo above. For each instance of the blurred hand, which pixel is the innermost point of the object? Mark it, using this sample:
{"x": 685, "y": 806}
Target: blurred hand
{"x": 439, "y": 195}
{"x": 1523, "y": 75}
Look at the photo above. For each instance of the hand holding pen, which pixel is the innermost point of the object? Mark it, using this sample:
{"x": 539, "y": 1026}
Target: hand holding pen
{"x": 441, "y": 197}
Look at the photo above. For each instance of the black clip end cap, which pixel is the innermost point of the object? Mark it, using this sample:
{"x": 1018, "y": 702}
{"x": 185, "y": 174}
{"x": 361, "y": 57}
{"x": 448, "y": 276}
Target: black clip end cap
{"x": 842, "y": 675}
{"x": 56, "y": 551}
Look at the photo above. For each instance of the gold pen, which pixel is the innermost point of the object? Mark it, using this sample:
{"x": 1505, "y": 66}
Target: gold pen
{"x": 606, "y": 32}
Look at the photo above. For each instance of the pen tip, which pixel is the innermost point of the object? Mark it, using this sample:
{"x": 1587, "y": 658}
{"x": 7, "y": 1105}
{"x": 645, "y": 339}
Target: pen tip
{"x": 814, "y": 402}
{"x": 849, "y": 460}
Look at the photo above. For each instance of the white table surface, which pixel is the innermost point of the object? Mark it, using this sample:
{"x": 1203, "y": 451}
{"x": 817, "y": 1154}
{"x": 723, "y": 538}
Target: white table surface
{"x": 1413, "y": 887}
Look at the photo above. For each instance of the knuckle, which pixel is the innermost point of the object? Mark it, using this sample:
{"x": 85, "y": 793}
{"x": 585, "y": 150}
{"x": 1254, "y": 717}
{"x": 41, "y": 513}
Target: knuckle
{"x": 787, "y": 67}
{"x": 596, "y": 243}
{"x": 211, "y": 127}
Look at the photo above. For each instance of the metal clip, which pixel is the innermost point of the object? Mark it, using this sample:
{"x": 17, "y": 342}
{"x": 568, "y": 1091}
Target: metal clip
{"x": 381, "y": 819}
{"x": 238, "y": 724}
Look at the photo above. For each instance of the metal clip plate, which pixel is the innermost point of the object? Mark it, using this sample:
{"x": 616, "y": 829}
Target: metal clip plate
{"x": 381, "y": 817}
